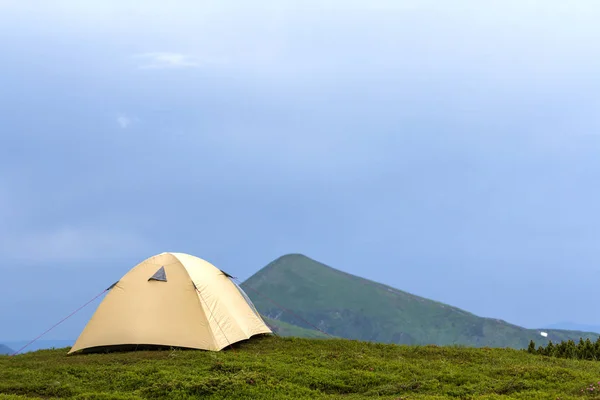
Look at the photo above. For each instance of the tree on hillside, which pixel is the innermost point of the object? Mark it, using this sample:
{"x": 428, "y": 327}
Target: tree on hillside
{"x": 531, "y": 348}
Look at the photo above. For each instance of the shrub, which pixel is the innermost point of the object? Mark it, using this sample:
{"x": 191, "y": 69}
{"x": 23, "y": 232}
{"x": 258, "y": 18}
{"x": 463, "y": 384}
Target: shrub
{"x": 584, "y": 350}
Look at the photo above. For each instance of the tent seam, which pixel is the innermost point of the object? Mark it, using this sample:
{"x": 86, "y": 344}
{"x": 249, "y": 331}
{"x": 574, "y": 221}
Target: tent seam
{"x": 197, "y": 294}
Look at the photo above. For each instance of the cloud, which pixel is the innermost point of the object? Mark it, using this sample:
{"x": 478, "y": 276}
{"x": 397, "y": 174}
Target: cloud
{"x": 27, "y": 238}
{"x": 123, "y": 121}
{"x": 160, "y": 60}
{"x": 70, "y": 243}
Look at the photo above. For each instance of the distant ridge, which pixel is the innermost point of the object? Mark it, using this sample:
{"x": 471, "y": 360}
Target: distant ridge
{"x": 39, "y": 344}
{"x": 572, "y": 326}
{"x": 4, "y": 350}
{"x": 345, "y": 305}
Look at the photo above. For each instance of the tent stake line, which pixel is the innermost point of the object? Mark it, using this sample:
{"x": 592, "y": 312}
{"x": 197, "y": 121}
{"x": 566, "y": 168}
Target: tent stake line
{"x": 58, "y": 323}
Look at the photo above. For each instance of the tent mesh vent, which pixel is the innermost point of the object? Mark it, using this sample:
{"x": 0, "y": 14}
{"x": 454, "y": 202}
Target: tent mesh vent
{"x": 159, "y": 275}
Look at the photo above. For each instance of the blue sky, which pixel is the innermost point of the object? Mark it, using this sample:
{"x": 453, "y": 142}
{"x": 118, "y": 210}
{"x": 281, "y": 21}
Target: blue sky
{"x": 449, "y": 149}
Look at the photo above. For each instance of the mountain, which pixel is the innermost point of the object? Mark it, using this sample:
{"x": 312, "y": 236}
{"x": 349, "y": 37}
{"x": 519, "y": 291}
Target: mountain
{"x": 39, "y": 344}
{"x": 284, "y": 329}
{"x": 572, "y": 326}
{"x": 300, "y": 291}
{"x": 5, "y": 350}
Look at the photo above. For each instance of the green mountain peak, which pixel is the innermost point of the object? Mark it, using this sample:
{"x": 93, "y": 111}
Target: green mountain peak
{"x": 293, "y": 259}
{"x": 296, "y": 289}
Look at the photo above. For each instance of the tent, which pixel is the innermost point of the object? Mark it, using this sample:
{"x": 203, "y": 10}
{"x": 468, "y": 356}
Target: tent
{"x": 172, "y": 299}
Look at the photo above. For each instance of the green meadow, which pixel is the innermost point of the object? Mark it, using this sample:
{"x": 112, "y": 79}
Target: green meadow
{"x": 273, "y": 367}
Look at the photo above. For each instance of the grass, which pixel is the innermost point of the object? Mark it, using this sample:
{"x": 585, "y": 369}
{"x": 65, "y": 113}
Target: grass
{"x": 292, "y": 368}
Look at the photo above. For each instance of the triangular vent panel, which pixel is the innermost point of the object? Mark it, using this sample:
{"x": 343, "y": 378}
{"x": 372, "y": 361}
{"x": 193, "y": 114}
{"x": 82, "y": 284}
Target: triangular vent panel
{"x": 159, "y": 275}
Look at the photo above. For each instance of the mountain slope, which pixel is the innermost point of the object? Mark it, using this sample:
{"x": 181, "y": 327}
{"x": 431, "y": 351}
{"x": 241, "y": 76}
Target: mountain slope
{"x": 347, "y": 306}
{"x": 282, "y": 328}
{"x": 5, "y": 350}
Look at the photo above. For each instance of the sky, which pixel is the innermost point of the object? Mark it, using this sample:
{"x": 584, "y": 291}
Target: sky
{"x": 449, "y": 149}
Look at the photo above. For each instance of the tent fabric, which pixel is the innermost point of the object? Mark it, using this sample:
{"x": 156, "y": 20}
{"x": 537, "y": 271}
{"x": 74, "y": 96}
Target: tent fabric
{"x": 198, "y": 307}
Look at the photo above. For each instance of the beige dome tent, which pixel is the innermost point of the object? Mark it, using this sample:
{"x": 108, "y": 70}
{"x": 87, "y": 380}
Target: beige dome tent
{"x": 172, "y": 299}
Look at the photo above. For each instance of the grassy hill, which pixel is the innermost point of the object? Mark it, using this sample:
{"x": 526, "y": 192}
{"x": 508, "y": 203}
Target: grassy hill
{"x": 5, "y": 349}
{"x": 347, "y": 306}
{"x": 292, "y": 368}
{"x": 284, "y": 329}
